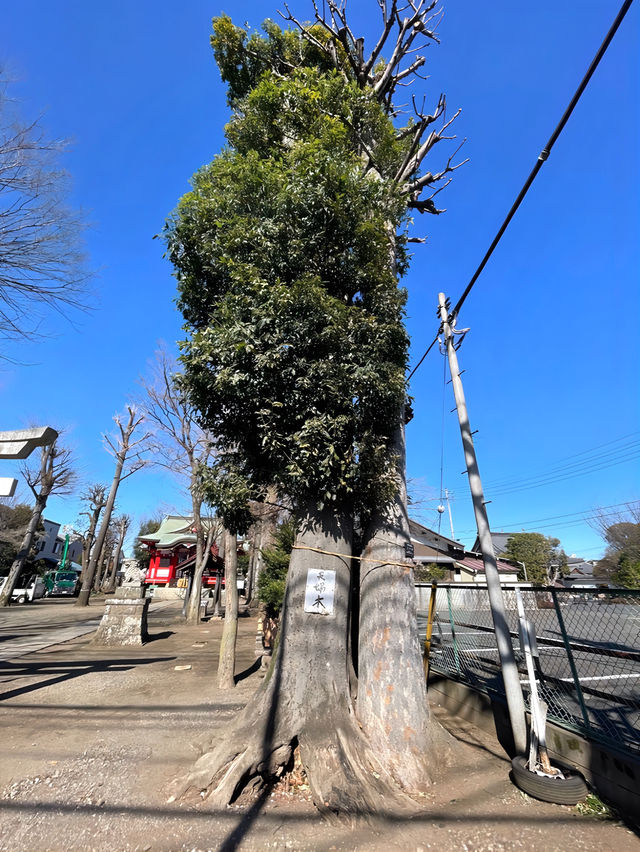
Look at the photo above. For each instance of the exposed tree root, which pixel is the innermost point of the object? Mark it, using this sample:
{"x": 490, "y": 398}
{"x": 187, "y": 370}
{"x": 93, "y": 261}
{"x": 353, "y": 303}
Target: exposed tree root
{"x": 344, "y": 776}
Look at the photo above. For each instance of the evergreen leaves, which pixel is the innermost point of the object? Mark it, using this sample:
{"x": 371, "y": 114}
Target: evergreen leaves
{"x": 286, "y": 254}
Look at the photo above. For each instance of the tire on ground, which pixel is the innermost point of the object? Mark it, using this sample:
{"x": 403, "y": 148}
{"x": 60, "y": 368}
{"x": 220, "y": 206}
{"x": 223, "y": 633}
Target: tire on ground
{"x": 567, "y": 791}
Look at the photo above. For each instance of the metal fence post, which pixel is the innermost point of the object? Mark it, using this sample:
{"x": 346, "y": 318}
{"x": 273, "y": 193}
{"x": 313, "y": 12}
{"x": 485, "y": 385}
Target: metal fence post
{"x": 572, "y": 664}
{"x": 427, "y": 640}
{"x": 454, "y": 641}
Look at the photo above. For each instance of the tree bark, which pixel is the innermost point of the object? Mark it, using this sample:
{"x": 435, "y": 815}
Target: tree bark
{"x": 305, "y": 697}
{"x": 254, "y": 555}
{"x": 109, "y": 586}
{"x": 96, "y": 550}
{"x": 392, "y": 701}
{"x": 23, "y": 553}
{"x": 227, "y": 661}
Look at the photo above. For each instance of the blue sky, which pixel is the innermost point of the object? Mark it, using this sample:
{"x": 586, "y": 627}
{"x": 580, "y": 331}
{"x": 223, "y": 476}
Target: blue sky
{"x": 552, "y": 357}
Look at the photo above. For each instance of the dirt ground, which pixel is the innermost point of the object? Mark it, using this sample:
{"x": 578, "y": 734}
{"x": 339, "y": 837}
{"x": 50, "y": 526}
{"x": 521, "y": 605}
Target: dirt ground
{"x": 92, "y": 738}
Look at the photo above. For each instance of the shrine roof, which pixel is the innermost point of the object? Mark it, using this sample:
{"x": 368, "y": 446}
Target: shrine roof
{"x": 174, "y": 529}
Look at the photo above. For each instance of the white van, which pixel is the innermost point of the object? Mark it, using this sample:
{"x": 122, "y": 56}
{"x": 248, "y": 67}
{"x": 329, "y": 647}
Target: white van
{"x": 33, "y": 589}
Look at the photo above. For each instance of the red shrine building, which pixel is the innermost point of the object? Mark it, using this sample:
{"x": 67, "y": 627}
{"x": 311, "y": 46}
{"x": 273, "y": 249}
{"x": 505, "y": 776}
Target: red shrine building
{"x": 172, "y": 553}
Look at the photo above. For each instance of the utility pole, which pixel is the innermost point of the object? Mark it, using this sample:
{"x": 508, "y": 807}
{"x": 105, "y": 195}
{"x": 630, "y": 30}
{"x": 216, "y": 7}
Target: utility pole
{"x": 513, "y": 688}
{"x": 446, "y": 495}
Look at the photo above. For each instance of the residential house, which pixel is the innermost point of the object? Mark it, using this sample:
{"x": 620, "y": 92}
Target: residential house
{"x": 462, "y": 566}
{"x": 50, "y": 546}
{"x": 581, "y": 574}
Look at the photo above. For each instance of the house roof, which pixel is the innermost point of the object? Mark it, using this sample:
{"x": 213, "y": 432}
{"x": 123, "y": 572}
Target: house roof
{"x": 424, "y": 535}
{"x": 499, "y": 541}
{"x": 475, "y": 564}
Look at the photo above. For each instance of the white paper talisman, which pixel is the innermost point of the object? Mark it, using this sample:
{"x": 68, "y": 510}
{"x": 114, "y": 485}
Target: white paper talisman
{"x": 319, "y": 593}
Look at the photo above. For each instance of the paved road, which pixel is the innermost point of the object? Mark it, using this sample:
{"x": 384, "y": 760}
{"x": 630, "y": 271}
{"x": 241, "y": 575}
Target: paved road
{"x": 25, "y": 628}
{"x": 606, "y": 655}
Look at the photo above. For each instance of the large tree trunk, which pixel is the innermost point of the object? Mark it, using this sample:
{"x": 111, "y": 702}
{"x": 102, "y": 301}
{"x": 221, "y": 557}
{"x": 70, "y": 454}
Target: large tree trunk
{"x": 392, "y": 701}
{"x": 227, "y": 661}
{"x": 305, "y": 697}
{"x": 23, "y": 553}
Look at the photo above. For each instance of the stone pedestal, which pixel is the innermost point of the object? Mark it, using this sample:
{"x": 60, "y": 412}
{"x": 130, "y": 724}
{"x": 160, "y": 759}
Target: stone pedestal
{"x": 125, "y": 618}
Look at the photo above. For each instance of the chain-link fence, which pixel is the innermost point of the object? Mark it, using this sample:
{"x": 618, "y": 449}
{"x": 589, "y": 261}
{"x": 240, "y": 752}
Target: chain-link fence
{"x": 587, "y": 658}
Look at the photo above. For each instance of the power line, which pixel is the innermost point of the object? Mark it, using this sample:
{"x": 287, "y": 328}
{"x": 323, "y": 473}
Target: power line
{"x": 584, "y": 514}
{"x": 566, "y": 471}
{"x": 564, "y": 476}
{"x": 542, "y": 157}
{"x": 560, "y": 464}
{"x": 591, "y": 464}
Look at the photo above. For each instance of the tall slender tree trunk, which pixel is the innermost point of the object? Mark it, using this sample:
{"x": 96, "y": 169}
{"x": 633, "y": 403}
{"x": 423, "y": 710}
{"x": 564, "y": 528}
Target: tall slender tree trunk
{"x": 392, "y": 701}
{"x": 101, "y": 571}
{"x": 254, "y": 555}
{"x": 89, "y": 541}
{"x": 109, "y": 584}
{"x": 96, "y": 550}
{"x": 227, "y": 661}
{"x": 23, "y": 553}
{"x": 203, "y": 547}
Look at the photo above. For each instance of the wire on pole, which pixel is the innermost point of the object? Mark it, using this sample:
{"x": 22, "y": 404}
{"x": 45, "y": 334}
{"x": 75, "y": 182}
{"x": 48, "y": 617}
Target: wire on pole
{"x": 542, "y": 157}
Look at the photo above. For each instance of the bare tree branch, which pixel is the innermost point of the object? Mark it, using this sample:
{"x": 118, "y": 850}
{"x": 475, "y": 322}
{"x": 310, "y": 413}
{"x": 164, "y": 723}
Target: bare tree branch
{"x": 41, "y": 264}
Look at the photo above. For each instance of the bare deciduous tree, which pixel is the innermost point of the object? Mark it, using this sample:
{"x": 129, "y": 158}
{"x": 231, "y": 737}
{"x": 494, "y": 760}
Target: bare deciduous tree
{"x": 95, "y": 496}
{"x": 127, "y": 452}
{"x": 621, "y": 531}
{"x": 121, "y": 526}
{"x": 183, "y": 447}
{"x": 41, "y": 264}
{"x": 54, "y": 475}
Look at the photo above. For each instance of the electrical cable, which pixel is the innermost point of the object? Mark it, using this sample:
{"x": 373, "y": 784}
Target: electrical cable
{"x": 599, "y": 458}
{"x": 552, "y": 480}
{"x": 584, "y": 515}
{"x": 542, "y": 157}
{"x": 562, "y": 466}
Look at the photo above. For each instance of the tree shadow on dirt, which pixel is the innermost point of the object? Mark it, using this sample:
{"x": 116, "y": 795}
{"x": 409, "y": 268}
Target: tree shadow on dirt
{"x": 52, "y": 673}
{"x": 235, "y": 837}
{"x": 153, "y": 637}
{"x": 252, "y": 669}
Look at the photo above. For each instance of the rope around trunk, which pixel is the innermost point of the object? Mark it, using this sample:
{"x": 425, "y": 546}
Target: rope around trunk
{"x": 406, "y": 565}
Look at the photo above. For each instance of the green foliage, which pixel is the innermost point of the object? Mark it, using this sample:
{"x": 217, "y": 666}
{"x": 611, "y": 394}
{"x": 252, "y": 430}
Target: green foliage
{"x": 224, "y": 488}
{"x": 429, "y": 573}
{"x": 286, "y": 256}
{"x": 243, "y": 564}
{"x": 243, "y": 58}
{"x": 593, "y": 806}
{"x": 627, "y": 573}
{"x": 544, "y": 559}
{"x": 14, "y": 521}
{"x": 8, "y": 553}
{"x": 623, "y": 551}
{"x": 273, "y": 577}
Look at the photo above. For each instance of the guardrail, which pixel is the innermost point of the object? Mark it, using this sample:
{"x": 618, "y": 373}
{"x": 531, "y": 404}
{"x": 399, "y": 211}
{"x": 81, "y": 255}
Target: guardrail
{"x": 587, "y": 657}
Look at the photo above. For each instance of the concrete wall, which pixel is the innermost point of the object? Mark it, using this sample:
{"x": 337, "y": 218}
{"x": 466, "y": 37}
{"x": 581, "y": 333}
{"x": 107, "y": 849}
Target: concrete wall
{"x": 614, "y": 775}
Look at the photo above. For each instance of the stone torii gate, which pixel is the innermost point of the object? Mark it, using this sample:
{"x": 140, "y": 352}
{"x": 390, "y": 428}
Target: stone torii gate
{"x": 18, "y": 444}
